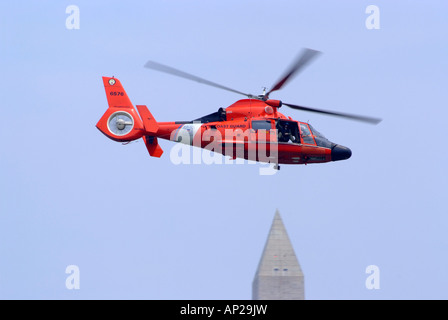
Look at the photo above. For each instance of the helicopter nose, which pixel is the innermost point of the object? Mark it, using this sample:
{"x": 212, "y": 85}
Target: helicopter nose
{"x": 339, "y": 152}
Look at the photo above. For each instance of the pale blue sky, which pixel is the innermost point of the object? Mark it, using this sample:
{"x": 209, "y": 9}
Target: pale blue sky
{"x": 144, "y": 228}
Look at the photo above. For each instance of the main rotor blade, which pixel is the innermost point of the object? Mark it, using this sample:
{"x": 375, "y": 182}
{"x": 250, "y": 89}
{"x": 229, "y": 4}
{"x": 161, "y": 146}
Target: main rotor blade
{"x": 370, "y": 120}
{"x": 163, "y": 68}
{"x": 301, "y": 61}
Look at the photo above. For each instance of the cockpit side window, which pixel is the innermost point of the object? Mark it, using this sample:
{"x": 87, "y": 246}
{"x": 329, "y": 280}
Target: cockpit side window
{"x": 306, "y": 134}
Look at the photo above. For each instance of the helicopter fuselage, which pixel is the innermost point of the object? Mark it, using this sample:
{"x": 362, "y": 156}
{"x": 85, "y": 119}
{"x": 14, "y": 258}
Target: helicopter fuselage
{"x": 254, "y": 130}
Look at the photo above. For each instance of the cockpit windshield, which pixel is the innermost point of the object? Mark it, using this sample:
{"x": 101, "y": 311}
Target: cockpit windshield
{"x": 316, "y": 133}
{"x": 321, "y": 140}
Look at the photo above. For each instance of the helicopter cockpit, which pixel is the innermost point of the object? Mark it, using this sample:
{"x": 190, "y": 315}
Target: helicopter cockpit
{"x": 300, "y": 132}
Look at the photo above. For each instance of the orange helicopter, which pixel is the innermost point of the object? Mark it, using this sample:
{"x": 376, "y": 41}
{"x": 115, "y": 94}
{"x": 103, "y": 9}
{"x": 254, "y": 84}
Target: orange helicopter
{"x": 251, "y": 128}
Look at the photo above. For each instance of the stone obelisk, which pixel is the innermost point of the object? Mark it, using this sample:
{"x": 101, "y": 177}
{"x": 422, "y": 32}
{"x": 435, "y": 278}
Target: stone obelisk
{"x": 279, "y": 275}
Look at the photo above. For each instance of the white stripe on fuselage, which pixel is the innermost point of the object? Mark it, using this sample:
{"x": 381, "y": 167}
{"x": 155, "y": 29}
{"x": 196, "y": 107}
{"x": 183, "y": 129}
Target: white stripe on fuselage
{"x": 187, "y": 132}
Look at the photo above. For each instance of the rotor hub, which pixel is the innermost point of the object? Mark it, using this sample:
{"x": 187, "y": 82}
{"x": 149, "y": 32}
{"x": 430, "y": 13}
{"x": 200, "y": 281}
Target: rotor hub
{"x": 121, "y": 124}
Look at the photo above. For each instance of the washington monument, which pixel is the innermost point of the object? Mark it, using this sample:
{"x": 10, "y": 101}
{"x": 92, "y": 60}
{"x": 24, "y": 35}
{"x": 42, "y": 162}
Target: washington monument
{"x": 279, "y": 276}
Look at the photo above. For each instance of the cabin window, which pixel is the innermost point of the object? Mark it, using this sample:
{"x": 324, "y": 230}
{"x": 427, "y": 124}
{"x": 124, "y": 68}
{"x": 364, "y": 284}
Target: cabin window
{"x": 287, "y": 131}
{"x": 261, "y": 125}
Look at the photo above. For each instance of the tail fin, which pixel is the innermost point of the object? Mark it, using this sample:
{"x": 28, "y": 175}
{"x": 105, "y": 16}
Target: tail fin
{"x": 115, "y": 93}
{"x": 121, "y": 121}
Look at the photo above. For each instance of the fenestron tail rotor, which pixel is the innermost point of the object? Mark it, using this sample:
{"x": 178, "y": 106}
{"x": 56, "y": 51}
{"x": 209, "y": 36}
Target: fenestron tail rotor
{"x": 120, "y": 123}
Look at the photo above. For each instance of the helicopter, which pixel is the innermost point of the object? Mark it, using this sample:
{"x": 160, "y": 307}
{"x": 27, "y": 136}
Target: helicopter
{"x": 251, "y": 128}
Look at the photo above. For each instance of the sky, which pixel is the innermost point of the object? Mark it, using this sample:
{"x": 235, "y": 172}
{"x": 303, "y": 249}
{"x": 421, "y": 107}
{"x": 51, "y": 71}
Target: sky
{"x": 137, "y": 227}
